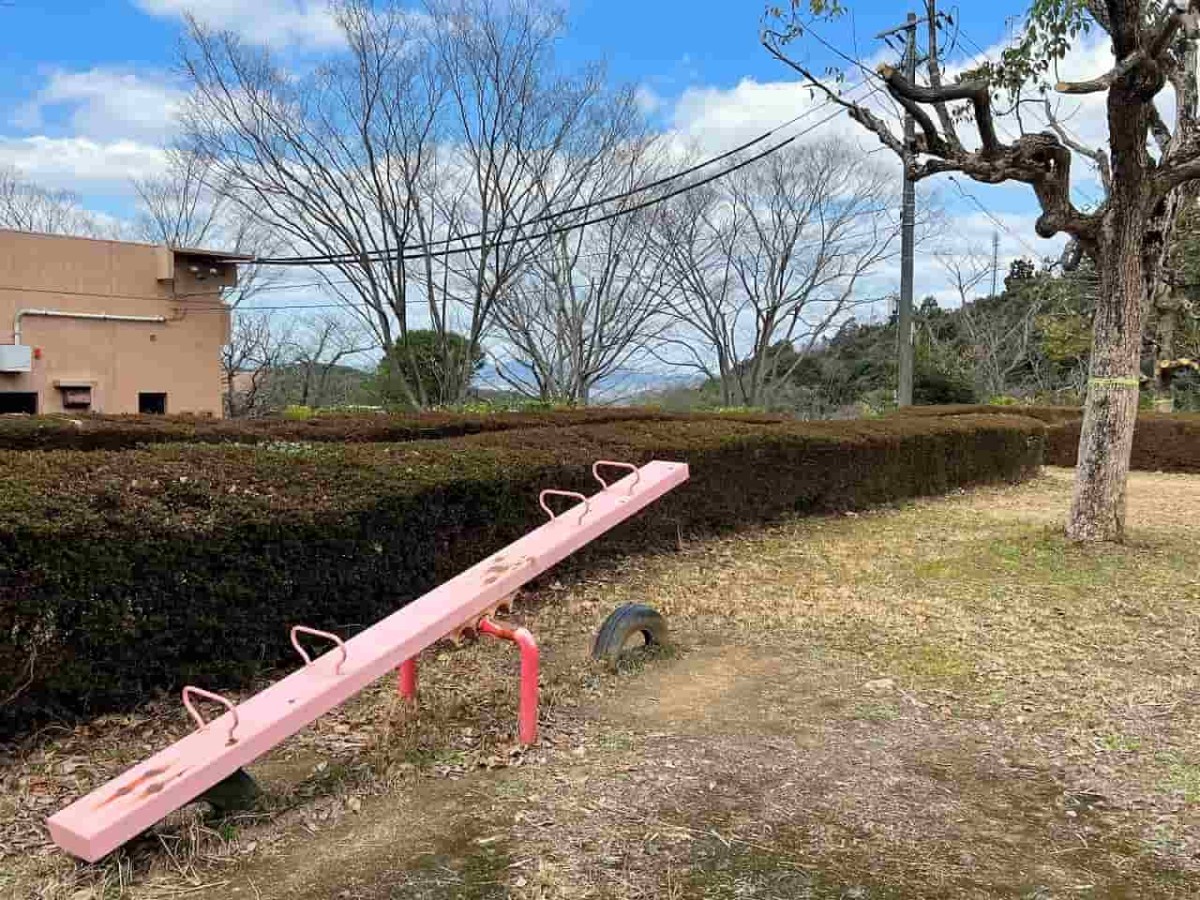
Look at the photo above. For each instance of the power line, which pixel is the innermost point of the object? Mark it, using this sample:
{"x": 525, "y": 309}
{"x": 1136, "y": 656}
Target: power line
{"x": 420, "y": 250}
{"x": 345, "y": 282}
{"x": 350, "y": 304}
{"x": 995, "y": 221}
{"x": 423, "y": 253}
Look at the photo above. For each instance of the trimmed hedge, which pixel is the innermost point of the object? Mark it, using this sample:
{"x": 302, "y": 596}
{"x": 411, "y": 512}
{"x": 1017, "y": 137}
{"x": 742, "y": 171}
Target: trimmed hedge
{"x": 1051, "y": 415}
{"x": 1162, "y": 442}
{"x": 124, "y": 574}
{"x": 126, "y": 432}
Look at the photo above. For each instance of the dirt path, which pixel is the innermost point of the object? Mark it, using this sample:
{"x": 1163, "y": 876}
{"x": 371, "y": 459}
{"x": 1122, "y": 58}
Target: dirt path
{"x": 733, "y": 773}
{"x": 942, "y": 701}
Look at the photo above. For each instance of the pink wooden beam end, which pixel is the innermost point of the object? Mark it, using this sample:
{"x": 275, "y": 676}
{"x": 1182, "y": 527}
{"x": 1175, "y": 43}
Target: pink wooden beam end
{"x": 129, "y": 804}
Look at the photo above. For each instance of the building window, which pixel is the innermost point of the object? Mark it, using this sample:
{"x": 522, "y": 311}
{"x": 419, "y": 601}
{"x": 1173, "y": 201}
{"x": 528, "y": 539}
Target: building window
{"x": 152, "y": 404}
{"x": 18, "y": 402}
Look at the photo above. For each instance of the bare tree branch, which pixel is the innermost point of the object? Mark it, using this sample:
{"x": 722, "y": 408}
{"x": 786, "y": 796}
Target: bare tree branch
{"x": 585, "y": 309}
{"x": 764, "y": 266}
{"x": 27, "y": 206}
{"x": 1095, "y": 154}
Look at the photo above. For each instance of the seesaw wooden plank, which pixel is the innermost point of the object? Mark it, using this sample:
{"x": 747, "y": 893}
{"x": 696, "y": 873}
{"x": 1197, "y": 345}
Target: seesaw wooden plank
{"x": 100, "y": 822}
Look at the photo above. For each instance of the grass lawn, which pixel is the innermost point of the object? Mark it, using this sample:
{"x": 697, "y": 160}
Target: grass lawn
{"x": 944, "y": 700}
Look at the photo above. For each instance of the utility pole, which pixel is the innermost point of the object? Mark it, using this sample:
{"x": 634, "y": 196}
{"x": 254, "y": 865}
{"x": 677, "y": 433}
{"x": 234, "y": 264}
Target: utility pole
{"x": 908, "y": 225}
{"x": 995, "y": 261}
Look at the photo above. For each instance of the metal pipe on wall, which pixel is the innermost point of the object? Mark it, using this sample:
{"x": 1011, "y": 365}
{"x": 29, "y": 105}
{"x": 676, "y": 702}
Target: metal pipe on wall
{"x": 64, "y": 314}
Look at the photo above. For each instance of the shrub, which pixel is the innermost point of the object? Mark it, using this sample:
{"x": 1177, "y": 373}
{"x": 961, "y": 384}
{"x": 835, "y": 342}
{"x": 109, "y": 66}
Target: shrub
{"x": 123, "y": 574}
{"x": 1162, "y": 442}
{"x": 1047, "y": 414}
{"x": 99, "y": 432}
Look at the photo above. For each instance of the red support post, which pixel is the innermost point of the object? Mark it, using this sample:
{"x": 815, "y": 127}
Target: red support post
{"x": 407, "y": 680}
{"x": 527, "y": 714}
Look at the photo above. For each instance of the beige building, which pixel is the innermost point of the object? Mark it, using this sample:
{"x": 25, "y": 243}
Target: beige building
{"x": 110, "y": 326}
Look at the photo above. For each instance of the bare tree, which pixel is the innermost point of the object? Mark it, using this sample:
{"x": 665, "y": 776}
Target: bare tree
{"x": 258, "y": 346}
{"x": 429, "y": 134}
{"x": 322, "y": 344}
{"x": 27, "y": 206}
{"x": 769, "y": 262}
{"x": 332, "y": 160}
{"x": 1002, "y": 335}
{"x": 586, "y": 307}
{"x": 190, "y": 205}
{"x": 1148, "y": 169}
{"x": 699, "y": 292}
{"x": 529, "y": 140}
{"x": 183, "y": 208}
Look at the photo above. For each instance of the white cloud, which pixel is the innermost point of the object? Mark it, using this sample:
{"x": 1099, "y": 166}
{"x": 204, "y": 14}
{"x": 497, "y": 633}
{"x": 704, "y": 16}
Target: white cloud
{"x": 106, "y": 105}
{"x": 278, "y": 23}
{"x": 716, "y": 119}
{"x": 82, "y": 164}
{"x": 647, "y": 99}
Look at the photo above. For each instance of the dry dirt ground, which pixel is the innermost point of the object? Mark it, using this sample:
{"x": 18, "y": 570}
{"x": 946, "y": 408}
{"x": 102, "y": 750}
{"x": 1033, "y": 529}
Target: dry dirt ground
{"x": 944, "y": 700}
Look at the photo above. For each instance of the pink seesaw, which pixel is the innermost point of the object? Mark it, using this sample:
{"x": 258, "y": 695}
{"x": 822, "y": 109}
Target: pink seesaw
{"x": 121, "y": 809}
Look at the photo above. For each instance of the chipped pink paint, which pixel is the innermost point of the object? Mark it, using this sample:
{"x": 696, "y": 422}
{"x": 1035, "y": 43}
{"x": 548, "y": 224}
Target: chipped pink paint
{"x": 117, "y": 811}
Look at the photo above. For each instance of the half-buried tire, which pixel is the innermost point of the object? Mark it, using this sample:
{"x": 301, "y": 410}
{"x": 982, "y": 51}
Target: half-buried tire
{"x": 237, "y": 793}
{"x": 630, "y": 627}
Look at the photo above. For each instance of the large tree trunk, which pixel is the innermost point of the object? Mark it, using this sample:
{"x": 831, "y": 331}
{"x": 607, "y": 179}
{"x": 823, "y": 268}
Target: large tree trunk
{"x": 1106, "y": 439}
{"x": 1127, "y": 260}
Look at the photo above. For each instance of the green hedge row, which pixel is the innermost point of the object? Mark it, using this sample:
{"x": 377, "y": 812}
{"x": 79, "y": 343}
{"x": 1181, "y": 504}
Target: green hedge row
{"x": 125, "y": 574}
{"x": 101, "y": 432}
{"x": 1162, "y": 442}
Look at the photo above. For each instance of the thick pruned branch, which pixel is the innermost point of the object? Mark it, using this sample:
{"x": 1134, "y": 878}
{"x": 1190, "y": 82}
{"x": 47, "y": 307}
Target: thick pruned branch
{"x": 1041, "y": 160}
{"x": 1105, "y": 81}
{"x": 1148, "y": 55}
{"x": 1171, "y": 177}
{"x": 976, "y": 91}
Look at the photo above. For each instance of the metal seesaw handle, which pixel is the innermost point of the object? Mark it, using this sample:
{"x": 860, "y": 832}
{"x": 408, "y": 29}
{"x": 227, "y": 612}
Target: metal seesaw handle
{"x": 209, "y": 695}
{"x": 325, "y": 634}
{"x": 637, "y": 475}
{"x": 587, "y": 506}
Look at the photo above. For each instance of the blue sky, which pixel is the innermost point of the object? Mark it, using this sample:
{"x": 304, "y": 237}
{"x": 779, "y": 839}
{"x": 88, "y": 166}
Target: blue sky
{"x": 673, "y": 44}
{"x": 88, "y": 86}
{"x": 668, "y": 43}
